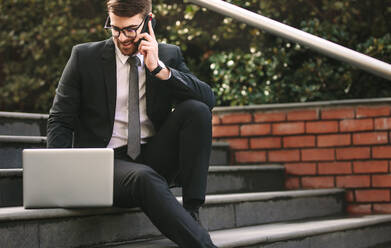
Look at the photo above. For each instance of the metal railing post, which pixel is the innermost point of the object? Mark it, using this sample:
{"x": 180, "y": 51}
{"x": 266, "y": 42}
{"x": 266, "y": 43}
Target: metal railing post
{"x": 323, "y": 46}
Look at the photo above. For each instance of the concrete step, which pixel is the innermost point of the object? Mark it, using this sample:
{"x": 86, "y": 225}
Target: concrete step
{"x": 221, "y": 179}
{"x": 220, "y": 154}
{"x": 87, "y": 227}
{"x": 11, "y": 147}
{"x": 384, "y": 245}
{"x": 26, "y": 124}
{"x": 11, "y": 187}
{"x": 347, "y": 232}
{"x": 243, "y": 178}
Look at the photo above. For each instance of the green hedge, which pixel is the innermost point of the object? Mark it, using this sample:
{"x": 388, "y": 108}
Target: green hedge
{"x": 243, "y": 65}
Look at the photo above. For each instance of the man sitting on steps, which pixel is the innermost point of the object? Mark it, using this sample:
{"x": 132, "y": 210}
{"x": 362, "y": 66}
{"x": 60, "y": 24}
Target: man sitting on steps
{"x": 120, "y": 94}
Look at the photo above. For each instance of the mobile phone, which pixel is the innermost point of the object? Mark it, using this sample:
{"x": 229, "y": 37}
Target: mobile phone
{"x": 145, "y": 28}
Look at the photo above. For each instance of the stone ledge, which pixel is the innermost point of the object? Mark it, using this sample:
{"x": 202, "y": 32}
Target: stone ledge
{"x": 219, "y": 168}
{"x": 278, "y": 106}
{"x": 277, "y": 232}
{"x": 386, "y": 100}
{"x": 13, "y": 214}
{"x": 11, "y": 173}
{"x": 19, "y": 115}
{"x": 270, "y": 196}
{"x": 229, "y": 168}
{"x": 220, "y": 144}
{"x": 43, "y": 139}
{"x": 283, "y": 231}
{"x": 22, "y": 139}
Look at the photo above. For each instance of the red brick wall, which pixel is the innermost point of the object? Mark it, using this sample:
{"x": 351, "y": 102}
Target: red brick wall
{"x": 343, "y": 146}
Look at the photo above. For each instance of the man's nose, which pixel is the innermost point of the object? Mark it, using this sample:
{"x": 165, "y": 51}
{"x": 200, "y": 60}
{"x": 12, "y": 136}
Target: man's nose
{"x": 124, "y": 38}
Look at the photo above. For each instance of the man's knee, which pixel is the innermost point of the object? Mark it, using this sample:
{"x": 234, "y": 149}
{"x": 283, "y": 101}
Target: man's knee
{"x": 195, "y": 108}
{"x": 132, "y": 174}
{"x": 134, "y": 182}
{"x": 144, "y": 175}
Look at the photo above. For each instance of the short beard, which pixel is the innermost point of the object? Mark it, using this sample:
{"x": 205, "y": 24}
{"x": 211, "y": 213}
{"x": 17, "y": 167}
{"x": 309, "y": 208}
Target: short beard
{"x": 126, "y": 51}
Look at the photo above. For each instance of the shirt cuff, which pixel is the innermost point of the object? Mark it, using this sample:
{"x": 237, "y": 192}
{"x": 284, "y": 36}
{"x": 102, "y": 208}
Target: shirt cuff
{"x": 164, "y": 67}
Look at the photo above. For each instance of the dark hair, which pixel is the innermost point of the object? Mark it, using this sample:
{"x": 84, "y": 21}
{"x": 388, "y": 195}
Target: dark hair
{"x": 129, "y": 8}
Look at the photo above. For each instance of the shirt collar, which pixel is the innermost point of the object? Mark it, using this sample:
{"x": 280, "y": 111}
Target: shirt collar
{"x": 124, "y": 58}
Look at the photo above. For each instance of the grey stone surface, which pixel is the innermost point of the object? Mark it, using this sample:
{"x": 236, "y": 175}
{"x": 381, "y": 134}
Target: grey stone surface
{"x": 219, "y": 155}
{"x": 14, "y": 123}
{"x": 240, "y": 168}
{"x": 21, "y": 115}
{"x": 95, "y": 230}
{"x": 75, "y": 232}
{"x": 253, "y": 213}
{"x": 249, "y": 180}
{"x": 21, "y": 127}
{"x": 11, "y": 173}
{"x": 11, "y": 157}
{"x": 384, "y": 245}
{"x": 11, "y": 153}
{"x": 226, "y": 183}
{"x": 19, "y": 236}
{"x": 361, "y": 232}
{"x": 218, "y": 216}
{"x": 221, "y": 179}
{"x": 11, "y": 191}
{"x": 19, "y": 214}
{"x": 307, "y": 233}
{"x": 356, "y": 238}
{"x": 11, "y": 147}
{"x": 85, "y": 227}
{"x": 19, "y": 139}
{"x": 265, "y": 196}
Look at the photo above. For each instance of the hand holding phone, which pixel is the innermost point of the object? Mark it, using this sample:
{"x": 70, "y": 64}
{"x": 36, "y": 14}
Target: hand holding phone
{"x": 145, "y": 28}
{"x": 148, "y": 47}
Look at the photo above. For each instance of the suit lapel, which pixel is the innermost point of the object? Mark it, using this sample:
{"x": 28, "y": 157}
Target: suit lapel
{"x": 109, "y": 67}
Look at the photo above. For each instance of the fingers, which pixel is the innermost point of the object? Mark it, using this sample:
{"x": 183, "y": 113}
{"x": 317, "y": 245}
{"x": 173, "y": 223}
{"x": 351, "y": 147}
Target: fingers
{"x": 147, "y": 40}
{"x": 145, "y": 44}
{"x": 145, "y": 36}
{"x": 151, "y": 31}
{"x": 146, "y": 47}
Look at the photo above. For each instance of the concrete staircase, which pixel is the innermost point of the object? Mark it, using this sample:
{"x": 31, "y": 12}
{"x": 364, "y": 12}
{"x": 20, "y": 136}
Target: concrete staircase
{"x": 246, "y": 206}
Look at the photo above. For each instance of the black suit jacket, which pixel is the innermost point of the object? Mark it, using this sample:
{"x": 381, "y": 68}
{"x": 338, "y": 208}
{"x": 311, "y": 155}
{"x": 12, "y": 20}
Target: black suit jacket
{"x": 83, "y": 109}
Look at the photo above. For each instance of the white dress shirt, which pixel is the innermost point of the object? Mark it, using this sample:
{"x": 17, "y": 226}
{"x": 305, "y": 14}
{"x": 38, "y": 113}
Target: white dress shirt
{"x": 120, "y": 129}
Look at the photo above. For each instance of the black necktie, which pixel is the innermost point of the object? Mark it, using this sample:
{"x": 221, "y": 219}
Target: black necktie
{"x": 133, "y": 109}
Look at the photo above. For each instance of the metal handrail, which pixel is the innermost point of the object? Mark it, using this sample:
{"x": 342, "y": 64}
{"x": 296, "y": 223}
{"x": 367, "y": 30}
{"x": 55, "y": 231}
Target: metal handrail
{"x": 323, "y": 46}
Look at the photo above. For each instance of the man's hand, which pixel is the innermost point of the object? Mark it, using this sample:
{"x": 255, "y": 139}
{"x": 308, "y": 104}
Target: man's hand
{"x": 149, "y": 49}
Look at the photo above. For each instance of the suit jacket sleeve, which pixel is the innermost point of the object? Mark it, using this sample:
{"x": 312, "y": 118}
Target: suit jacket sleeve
{"x": 65, "y": 106}
{"x": 184, "y": 85}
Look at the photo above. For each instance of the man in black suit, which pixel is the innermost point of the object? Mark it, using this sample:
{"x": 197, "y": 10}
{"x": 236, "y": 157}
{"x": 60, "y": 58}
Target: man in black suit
{"x": 142, "y": 101}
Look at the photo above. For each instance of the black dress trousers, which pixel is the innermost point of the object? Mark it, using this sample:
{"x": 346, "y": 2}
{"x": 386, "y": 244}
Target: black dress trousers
{"x": 178, "y": 153}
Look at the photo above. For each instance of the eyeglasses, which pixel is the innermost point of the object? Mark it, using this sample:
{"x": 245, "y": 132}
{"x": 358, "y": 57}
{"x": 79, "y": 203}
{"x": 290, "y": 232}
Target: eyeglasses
{"x": 128, "y": 31}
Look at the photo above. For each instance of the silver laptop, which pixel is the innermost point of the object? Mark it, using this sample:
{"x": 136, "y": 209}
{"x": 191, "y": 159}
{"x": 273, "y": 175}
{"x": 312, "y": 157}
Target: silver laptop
{"x": 68, "y": 178}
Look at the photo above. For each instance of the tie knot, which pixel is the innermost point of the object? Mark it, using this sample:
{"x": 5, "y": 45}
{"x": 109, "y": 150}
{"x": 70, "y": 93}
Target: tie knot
{"x": 134, "y": 60}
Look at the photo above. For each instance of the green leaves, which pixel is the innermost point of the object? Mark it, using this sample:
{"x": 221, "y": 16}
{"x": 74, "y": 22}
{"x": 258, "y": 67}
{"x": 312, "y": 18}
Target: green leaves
{"x": 36, "y": 42}
{"x": 243, "y": 65}
{"x": 286, "y": 72}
